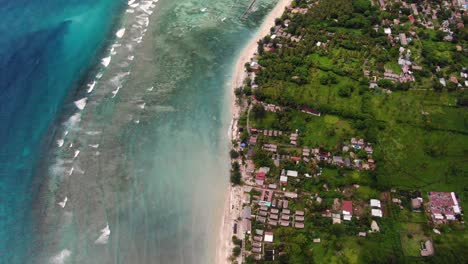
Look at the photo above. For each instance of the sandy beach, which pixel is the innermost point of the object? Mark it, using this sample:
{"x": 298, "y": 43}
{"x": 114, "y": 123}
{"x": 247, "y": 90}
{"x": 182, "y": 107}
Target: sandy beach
{"x": 233, "y": 197}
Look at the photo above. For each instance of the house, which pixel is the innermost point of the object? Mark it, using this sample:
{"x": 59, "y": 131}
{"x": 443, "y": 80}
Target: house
{"x": 260, "y": 178}
{"x": 403, "y": 40}
{"x": 247, "y": 212}
{"x": 376, "y": 212}
{"x": 316, "y": 240}
{"x": 416, "y": 204}
{"x": 253, "y": 141}
{"x": 443, "y": 205}
{"x": 310, "y": 111}
{"x": 411, "y": 18}
{"x": 347, "y": 210}
{"x": 388, "y": 31}
{"x": 338, "y": 160}
{"x": 299, "y": 225}
{"x": 299, "y": 218}
{"x": 283, "y": 180}
{"x": 291, "y": 173}
{"x": 246, "y": 225}
{"x": 301, "y": 213}
{"x": 347, "y": 162}
{"x": 375, "y": 203}
{"x": 427, "y": 249}
{"x": 256, "y": 244}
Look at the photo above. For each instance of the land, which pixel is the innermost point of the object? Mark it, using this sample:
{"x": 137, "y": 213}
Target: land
{"x": 349, "y": 136}
{"x": 233, "y": 204}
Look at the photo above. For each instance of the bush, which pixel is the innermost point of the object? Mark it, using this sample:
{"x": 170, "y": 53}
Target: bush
{"x": 345, "y": 91}
{"x": 236, "y": 251}
{"x": 234, "y": 154}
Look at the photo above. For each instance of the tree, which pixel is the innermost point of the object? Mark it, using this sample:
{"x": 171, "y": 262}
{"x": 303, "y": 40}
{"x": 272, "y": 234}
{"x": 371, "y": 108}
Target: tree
{"x": 258, "y": 111}
{"x": 236, "y": 251}
{"x": 345, "y": 91}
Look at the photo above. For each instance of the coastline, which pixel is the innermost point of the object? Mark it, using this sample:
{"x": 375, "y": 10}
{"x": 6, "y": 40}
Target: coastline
{"x": 233, "y": 196}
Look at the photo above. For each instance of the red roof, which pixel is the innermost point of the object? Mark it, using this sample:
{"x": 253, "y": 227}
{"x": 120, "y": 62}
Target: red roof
{"x": 348, "y": 206}
{"x": 310, "y": 110}
{"x": 411, "y": 18}
{"x": 295, "y": 158}
{"x": 260, "y": 175}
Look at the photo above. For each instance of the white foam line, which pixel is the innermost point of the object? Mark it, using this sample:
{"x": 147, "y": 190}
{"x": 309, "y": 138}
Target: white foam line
{"x": 105, "y": 61}
{"x": 60, "y": 142}
{"x": 130, "y": 2}
{"x": 61, "y": 257}
{"x": 71, "y": 171}
{"x": 63, "y": 203}
{"x": 77, "y": 152}
{"x": 91, "y": 86}
{"x": 142, "y": 106}
{"x": 150, "y": 89}
{"x": 116, "y": 91}
{"x": 81, "y": 104}
{"x": 94, "y": 145}
{"x": 104, "y": 237}
{"x": 120, "y": 33}
{"x": 137, "y": 121}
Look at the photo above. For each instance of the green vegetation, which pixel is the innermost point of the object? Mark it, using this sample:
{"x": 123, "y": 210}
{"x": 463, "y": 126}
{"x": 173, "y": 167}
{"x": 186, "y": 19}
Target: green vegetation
{"x": 418, "y": 129}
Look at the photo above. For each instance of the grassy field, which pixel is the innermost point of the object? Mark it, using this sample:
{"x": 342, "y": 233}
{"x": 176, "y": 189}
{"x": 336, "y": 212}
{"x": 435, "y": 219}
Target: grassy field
{"x": 411, "y": 238}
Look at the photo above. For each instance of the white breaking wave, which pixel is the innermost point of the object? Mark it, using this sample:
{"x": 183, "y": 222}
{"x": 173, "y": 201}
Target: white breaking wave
{"x": 74, "y": 119}
{"x": 150, "y": 89}
{"x": 71, "y": 171}
{"x": 105, "y": 61}
{"x": 130, "y": 2}
{"x": 61, "y": 257}
{"x": 116, "y": 91}
{"x": 130, "y": 11}
{"x": 120, "y": 33}
{"x": 81, "y": 104}
{"x": 60, "y": 142}
{"x": 77, "y": 152}
{"x": 94, "y": 145}
{"x": 93, "y": 133}
{"x": 104, "y": 237}
{"x": 91, "y": 86}
{"x": 137, "y": 121}
{"x": 64, "y": 202}
{"x": 142, "y": 106}
{"x": 131, "y": 57}
{"x": 99, "y": 75}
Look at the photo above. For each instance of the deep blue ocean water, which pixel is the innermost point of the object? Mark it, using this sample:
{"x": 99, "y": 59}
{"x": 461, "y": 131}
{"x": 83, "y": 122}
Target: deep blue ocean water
{"x": 46, "y": 47}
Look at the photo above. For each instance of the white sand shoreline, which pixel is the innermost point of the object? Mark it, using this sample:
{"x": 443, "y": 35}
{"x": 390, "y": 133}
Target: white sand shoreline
{"x": 233, "y": 196}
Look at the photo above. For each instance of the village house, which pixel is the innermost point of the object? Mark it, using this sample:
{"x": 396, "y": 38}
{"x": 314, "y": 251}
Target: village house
{"x": 443, "y": 206}
{"x": 347, "y": 210}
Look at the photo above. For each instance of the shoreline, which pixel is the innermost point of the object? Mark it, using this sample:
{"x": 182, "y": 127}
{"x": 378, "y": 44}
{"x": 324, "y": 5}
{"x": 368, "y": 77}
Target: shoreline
{"x": 233, "y": 196}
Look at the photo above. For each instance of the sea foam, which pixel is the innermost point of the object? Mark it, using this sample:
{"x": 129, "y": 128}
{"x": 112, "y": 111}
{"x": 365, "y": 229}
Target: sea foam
{"x": 104, "y": 237}
{"x": 120, "y": 33}
{"x": 64, "y": 202}
{"x": 91, "y": 86}
{"x": 105, "y": 61}
{"x": 80, "y": 104}
{"x": 61, "y": 257}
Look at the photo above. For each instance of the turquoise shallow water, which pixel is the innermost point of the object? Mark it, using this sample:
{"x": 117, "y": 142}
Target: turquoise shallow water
{"x": 136, "y": 167}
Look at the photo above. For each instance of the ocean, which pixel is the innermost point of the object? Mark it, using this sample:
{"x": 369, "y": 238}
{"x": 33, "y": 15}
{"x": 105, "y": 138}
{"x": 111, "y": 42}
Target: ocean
{"x": 114, "y": 127}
